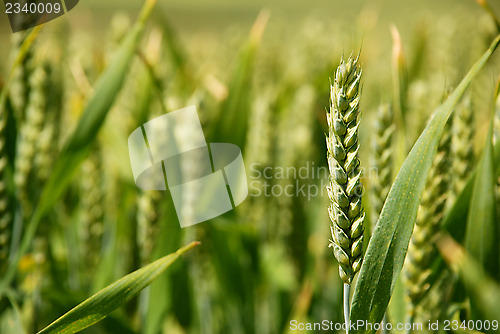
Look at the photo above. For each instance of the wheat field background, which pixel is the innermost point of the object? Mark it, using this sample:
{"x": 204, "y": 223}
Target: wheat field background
{"x": 73, "y": 222}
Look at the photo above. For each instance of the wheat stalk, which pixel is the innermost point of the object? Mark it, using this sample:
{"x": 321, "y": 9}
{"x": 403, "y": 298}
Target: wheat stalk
{"x": 345, "y": 189}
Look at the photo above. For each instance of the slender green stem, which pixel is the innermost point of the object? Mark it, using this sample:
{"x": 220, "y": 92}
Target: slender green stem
{"x": 347, "y": 311}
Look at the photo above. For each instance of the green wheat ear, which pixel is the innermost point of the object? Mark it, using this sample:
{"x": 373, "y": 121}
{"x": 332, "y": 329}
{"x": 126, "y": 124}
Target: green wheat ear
{"x": 6, "y": 217}
{"x": 93, "y": 207}
{"x": 462, "y": 148}
{"x": 19, "y": 93}
{"x": 345, "y": 188}
{"x": 382, "y": 158}
{"x": 25, "y": 175}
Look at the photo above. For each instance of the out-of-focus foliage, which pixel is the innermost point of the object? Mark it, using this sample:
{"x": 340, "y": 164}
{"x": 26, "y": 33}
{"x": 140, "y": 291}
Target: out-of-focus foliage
{"x": 260, "y": 81}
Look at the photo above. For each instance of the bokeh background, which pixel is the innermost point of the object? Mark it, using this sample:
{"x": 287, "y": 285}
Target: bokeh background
{"x": 259, "y": 74}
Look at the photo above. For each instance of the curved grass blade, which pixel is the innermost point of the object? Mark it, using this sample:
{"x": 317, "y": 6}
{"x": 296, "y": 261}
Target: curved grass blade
{"x": 77, "y": 146}
{"x": 388, "y": 246}
{"x": 108, "y": 299}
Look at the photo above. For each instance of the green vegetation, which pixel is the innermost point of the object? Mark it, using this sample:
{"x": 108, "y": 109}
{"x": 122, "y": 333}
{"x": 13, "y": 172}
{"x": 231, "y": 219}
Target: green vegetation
{"x": 82, "y": 249}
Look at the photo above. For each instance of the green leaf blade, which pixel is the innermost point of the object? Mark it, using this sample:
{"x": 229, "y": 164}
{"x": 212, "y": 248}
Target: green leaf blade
{"x": 388, "y": 246}
{"x": 108, "y": 299}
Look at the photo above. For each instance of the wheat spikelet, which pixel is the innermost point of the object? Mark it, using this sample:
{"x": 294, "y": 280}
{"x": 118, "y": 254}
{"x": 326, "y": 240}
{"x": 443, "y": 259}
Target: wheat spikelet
{"x": 382, "y": 157}
{"x": 421, "y": 251}
{"x": 345, "y": 189}
{"x": 462, "y": 148}
{"x": 92, "y": 206}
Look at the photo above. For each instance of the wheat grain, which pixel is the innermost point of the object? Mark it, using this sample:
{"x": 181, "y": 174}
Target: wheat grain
{"x": 345, "y": 189}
